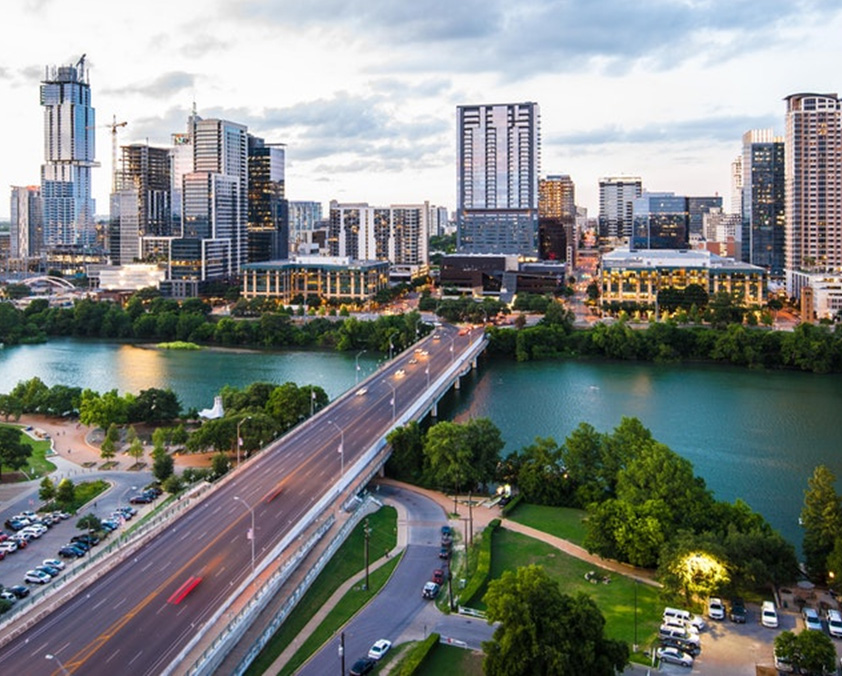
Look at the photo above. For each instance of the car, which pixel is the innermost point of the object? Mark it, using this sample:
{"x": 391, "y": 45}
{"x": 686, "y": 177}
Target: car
{"x": 36, "y": 577}
{"x": 9, "y": 546}
{"x": 127, "y": 511}
{"x": 49, "y": 570}
{"x": 55, "y": 563}
{"x": 678, "y": 624}
{"x": 140, "y": 499}
{"x": 674, "y": 655}
{"x": 424, "y": 353}
{"x": 400, "y": 373}
{"x": 716, "y": 609}
{"x": 675, "y": 632}
{"x": 6, "y": 595}
{"x": 811, "y": 618}
{"x": 738, "y": 611}
{"x": 88, "y": 538}
{"x": 413, "y": 361}
{"x": 362, "y": 391}
{"x": 834, "y": 623}
{"x": 444, "y": 553}
{"x": 430, "y": 591}
{"x": 109, "y": 525}
{"x": 362, "y": 666}
{"x": 21, "y": 542}
{"x": 438, "y": 576}
{"x": 15, "y": 524}
{"x": 436, "y": 336}
{"x": 379, "y": 649}
{"x": 446, "y": 530}
{"x": 768, "y": 615}
{"x": 19, "y": 590}
{"x": 684, "y": 646}
{"x": 783, "y": 665}
{"x": 71, "y": 552}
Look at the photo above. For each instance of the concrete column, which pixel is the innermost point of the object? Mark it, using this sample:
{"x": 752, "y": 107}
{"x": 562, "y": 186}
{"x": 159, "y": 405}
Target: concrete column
{"x": 435, "y": 410}
{"x": 457, "y": 384}
{"x": 474, "y": 363}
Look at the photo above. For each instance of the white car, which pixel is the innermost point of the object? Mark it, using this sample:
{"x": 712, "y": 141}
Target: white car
{"x": 674, "y": 655}
{"x": 400, "y": 373}
{"x": 768, "y": 615}
{"x": 36, "y": 577}
{"x": 55, "y": 563}
{"x": 362, "y": 391}
{"x": 716, "y": 609}
{"x": 8, "y": 546}
{"x": 379, "y": 649}
{"x": 834, "y": 623}
{"x": 811, "y": 618}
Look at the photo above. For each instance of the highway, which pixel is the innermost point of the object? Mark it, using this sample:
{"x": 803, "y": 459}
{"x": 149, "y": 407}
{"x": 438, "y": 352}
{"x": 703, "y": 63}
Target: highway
{"x": 137, "y": 618}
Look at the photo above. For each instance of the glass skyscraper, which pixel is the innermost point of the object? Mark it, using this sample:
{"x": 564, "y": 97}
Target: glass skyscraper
{"x": 69, "y": 152}
{"x": 763, "y": 200}
{"x": 498, "y": 158}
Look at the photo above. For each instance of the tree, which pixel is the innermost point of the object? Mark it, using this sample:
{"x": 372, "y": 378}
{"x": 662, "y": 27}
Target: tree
{"x": 90, "y": 522}
{"x": 107, "y": 449}
{"x": 135, "y": 449}
{"x": 809, "y": 652}
{"x": 220, "y": 464}
{"x": 163, "y": 467}
{"x": 14, "y": 454}
{"x": 543, "y": 631}
{"x": 65, "y": 492}
{"x": 155, "y": 405}
{"x": 448, "y": 455}
{"x": 47, "y": 491}
{"x": 542, "y": 477}
{"x": 821, "y": 518}
{"x": 173, "y": 484}
{"x": 407, "y": 460}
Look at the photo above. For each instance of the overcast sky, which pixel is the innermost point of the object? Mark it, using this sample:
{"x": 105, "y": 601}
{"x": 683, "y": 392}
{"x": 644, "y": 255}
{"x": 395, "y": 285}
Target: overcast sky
{"x": 364, "y": 92}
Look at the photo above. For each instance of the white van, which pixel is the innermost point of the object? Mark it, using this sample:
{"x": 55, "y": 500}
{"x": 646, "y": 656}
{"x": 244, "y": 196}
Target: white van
{"x": 684, "y": 617}
{"x": 834, "y": 623}
{"x": 768, "y": 615}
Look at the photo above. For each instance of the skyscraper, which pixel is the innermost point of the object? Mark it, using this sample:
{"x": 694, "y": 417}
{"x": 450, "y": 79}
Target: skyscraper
{"x": 813, "y": 170}
{"x": 26, "y": 232}
{"x": 556, "y": 218}
{"x": 616, "y": 195}
{"x": 268, "y": 211}
{"x": 69, "y": 152}
{"x": 763, "y": 200}
{"x": 661, "y": 221}
{"x": 498, "y": 163}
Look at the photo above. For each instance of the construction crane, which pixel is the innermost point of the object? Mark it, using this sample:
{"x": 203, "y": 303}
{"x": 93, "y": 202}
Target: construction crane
{"x": 114, "y": 126}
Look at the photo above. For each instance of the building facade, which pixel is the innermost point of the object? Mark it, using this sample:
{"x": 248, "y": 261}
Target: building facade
{"x": 268, "y": 211}
{"x": 616, "y": 206}
{"x": 498, "y": 164}
{"x": 660, "y": 221}
{"x": 69, "y": 156}
{"x": 763, "y": 200}
{"x": 557, "y": 218}
{"x": 813, "y": 180}
{"x": 304, "y": 218}
{"x": 27, "y": 225}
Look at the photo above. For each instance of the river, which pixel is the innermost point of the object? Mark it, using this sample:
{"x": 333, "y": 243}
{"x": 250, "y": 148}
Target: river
{"x": 751, "y": 434}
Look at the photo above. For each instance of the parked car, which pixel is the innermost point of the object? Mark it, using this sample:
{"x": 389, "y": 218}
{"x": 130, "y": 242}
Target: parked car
{"x": 6, "y": 595}
{"x": 811, "y": 618}
{"x": 9, "y": 546}
{"x": 71, "y": 552}
{"x": 379, "y": 649}
{"x": 49, "y": 570}
{"x": 738, "y": 611}
{"x": 834, "y": 623}
{"x": 140, "y": 499}
{"x": 674, "y": 655}
{"x": 782, "y": 664}
{"x": 362, "y": 667}
{"x": 55, "y": 563}
{"x": 36, "y": 577}
{"x": 672, "y": 631}
{"x": 716, "y": 609}
{"x": 431, "y": 590}
{"x": 87, "y": 538}
{"x": 684, "y": 646}
{"x": 695, "y": 622}
{"x": 19, "y": 590}
{"x": 444, "y": 553}
{"x": 438, "y": 576}
{"x": 768, "y": 615}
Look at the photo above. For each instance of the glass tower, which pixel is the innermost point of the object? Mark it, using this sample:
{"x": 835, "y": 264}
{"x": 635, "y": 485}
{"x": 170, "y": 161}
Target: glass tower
{"x": 69, "y": 121}
{"x": 763, "y": 197}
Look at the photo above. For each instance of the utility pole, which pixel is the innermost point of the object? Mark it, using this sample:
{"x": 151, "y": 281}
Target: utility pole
{"x": 367, "y": 534}
{"x": 470, "y": 520}
{"x": 342, "y": 653}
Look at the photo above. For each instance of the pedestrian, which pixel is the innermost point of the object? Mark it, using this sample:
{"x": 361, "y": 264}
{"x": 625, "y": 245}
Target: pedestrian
{"x": 387, "y": 552}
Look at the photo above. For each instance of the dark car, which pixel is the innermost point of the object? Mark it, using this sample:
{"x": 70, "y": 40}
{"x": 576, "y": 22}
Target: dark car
{"x": 684, "y": 646}
{"x": 87, "y": 538}
{"x": 446, "y": 530}
{"x": 362, "y": 666}
{"x": 444, "y": 553}
{"x": 141, "y": 499}
{"x": 52, "y": 571}
{"x": 446, "y": 540}
{"x": 19, "y": 590}
{"x": 738, "y": 611}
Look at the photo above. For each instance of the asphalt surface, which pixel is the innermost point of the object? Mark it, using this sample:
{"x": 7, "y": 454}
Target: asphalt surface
{"x": 399, "y": 604}
{"x": 137, "y": 618}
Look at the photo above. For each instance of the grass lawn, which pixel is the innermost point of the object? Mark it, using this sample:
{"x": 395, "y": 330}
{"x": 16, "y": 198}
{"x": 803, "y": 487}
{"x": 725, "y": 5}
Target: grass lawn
{"x": 616, "y": 600}
{"x": 38, "y": 466}
{"x": 445, "y": 660}
{"x": 347, "y": 561}
{"x": 563, "y": 522}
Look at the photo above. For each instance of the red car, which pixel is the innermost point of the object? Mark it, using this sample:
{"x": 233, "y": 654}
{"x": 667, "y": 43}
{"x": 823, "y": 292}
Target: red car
{"x": 438, "y": 576}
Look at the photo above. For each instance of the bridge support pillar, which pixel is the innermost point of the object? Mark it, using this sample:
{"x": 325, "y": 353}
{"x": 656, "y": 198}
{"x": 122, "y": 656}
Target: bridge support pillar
{"x": 474, "y": 363}
{"x": 457, "y": 385}
{"x": 435, "y": 410}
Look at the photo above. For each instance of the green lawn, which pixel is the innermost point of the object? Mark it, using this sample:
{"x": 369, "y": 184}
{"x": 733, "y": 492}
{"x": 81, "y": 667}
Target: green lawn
{"x": 563, "y": 522}
{"x": 445, "y": 660}
{"x": 347, "y": 561}
{"x": 38, "y": 465}
{"x": 616, "y": 600}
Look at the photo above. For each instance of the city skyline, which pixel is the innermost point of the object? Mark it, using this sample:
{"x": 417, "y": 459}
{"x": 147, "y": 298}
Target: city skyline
{"x": 365, "y": 95}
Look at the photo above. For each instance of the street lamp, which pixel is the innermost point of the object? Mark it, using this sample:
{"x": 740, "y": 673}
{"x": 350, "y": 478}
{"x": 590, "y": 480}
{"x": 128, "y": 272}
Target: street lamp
{"x": 357, "y": 367}
{"x": 251, "y": 532}
{"x": 394, "y": 398}
{"x": 341, "y": 446}
{"x": 58, "y": 661}
{"x": 239, "y": 439}
{"x": 391, "y": 348}
{"x": 452, "y": 343}
{"x": 427, "y": 372}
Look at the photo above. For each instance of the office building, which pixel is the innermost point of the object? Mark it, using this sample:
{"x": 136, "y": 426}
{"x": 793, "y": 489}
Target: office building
{"x": 616, "y": 212}
{"x": 26, "y": 226}
{"x": 498, "y": 163}
{"x": 141, "y": 206}
{"x": 737, "y": 185}
{"x": 763, "y": 200}
{"x": 557, "y": 218}
{"x": 813, "y": 180}
{"x": 268, "y": 215}
{"x": 304, "y": 218}
{"x": 69, "y": 156}
{"x": 697, "y": 207}
{"x": 660, "y": 221}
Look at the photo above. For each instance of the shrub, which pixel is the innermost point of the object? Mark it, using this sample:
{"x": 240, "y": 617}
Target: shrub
{"x": 509, "y": 508}
{"x": 483, "y": 566}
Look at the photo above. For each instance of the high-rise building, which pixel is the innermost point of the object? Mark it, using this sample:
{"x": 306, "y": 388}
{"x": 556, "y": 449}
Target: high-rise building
{"x": 498, "y": 163}
{"x": 26, "y": 227}
{"x": 268, "y": 215}
{"x": 616, "y": 214}
{"x": 556, "y": 218}
{"x": 660, "y": 221}
{"x": 763, "y": 200}
{"x": 303, "y": 219}
{"x": 141, "y": 205}
{"x": 813, "y": 171}
{"x": 69, "y": 153}
{"x": 697, "y": 207}
{"x": 737, "y": 185}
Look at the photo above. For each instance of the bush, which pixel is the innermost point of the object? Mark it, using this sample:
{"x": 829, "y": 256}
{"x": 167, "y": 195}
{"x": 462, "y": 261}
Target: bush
{"x": 415, "y": 657}
{"x": 483, "y": 566}
{"x": 509, "y": 508}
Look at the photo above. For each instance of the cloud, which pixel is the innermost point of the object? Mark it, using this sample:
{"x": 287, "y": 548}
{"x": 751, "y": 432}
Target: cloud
{"x": 164, "y": 85}
{"x": 202, "y": 45}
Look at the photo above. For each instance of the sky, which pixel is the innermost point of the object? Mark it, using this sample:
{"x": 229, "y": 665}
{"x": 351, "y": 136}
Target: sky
{"x": 364, "y": 92}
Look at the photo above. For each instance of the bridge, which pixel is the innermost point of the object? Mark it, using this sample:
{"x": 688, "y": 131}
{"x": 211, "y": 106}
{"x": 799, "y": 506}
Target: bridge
{"x": 176, "y": 598}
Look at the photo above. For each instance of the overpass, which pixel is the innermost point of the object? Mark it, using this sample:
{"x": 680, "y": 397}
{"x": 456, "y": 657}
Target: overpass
{"x": 156, "y": 606}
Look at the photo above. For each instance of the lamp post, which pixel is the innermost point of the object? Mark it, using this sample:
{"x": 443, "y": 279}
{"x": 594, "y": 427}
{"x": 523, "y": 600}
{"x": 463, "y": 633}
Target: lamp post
{"x": 58, "y": 661}
{"x": 394, "y": 399}
{"x": 357, "y": 367}
{"x": 341, "y": 446}
{"x": 239, "y": 438}
{"x": 452, "y": 343}
{"x": 391, "y": 348}
{"x": 251, "y": 532}
{"x": 427, "y": 372}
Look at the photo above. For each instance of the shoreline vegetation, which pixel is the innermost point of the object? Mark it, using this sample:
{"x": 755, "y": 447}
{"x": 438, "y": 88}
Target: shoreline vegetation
{"x": 179, "y": 345}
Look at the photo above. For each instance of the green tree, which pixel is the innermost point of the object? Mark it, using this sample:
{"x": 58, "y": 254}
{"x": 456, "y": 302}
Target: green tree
{"x": 484, "y": 444}
{"x": 448, "y": 455}
{"x": 107, "y": 449}
{"x": 542, "y": 631}
{"x": 542, "y": 477}
{"x": 47, "y": 491}
{"x": 14, "y": 454}
{"x": 809, "y": 652}
{"x": 821, "y": 518}
{"x": 173, "y": 484}
{"x": 65, "y": 492}
{"x": 135, "y": 449}
{"x": 90, "y": 522}
{"x": 163, "y": 467}
{"x": 220, "y": 464}
{"x": 406, "y": 462}
{"x": 103, "y": 410}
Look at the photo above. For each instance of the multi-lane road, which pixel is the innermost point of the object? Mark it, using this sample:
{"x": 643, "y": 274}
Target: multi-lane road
{"x": 138, "y": 617}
